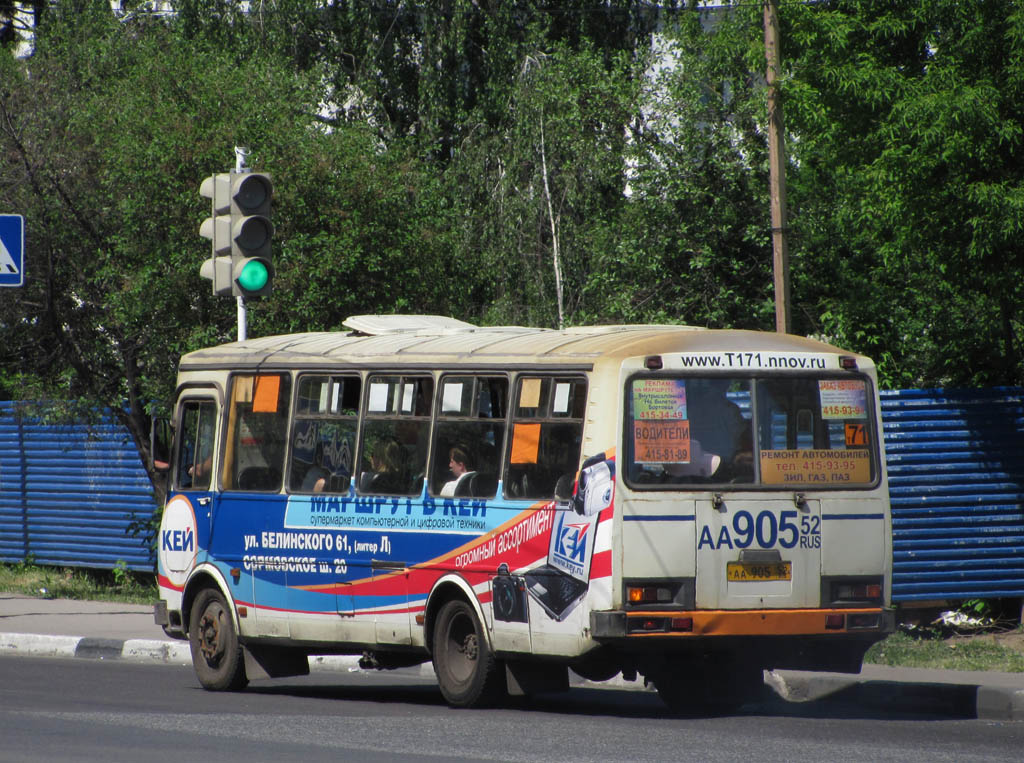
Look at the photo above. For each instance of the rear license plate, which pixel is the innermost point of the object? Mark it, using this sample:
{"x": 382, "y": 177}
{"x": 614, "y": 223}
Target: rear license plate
{"x": 742, "y": 572}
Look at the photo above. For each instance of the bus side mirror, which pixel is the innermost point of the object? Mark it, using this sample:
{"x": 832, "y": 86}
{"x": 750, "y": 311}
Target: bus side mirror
{"x": 563, "y": 491}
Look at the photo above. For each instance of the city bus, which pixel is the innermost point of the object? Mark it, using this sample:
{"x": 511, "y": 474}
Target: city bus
{"x": 684, "y": 506}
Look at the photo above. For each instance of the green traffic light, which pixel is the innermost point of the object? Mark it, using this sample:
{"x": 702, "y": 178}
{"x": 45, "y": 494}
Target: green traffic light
{"x": 254, "y": 275}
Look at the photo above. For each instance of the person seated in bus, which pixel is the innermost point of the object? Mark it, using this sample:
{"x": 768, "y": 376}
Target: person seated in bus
{"x": 460, "y": 464}
{"x": 316, "y": 477}
{"x": 717, "y": 424}
{"x": 388, "y": 467}
{"x": 701, "y": 463}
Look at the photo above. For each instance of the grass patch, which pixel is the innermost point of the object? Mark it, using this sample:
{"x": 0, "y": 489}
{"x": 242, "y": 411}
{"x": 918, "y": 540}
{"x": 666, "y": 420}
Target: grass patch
{"x": 119, "y": 584}
{"x": 976, "y": 652}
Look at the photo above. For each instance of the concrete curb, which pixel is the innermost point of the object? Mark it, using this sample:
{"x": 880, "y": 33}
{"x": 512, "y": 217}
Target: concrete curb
{"x": 179, "y": 653}
{"x": 136, "y": 650}
{"x": 964, "y": 700}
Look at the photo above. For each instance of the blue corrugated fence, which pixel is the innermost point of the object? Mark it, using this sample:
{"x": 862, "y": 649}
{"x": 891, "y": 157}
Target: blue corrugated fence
{"x": 956, "y": 480}
{"x": 69, "y": 494}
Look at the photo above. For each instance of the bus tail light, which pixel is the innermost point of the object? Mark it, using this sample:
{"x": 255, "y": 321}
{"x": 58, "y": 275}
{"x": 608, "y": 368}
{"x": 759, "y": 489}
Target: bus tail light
{"x": 684, "y": 624}
{"x": 648, "y": 625}
{"x": 835, "y": 622}
{"x": 860, "y": 621}
{"x": 857, "y": 591}
{"x": 653, "y": 362}
{"x": 848, "y": 362}
{"x": 661, "y": 625}
{"x": 648, "y": 595}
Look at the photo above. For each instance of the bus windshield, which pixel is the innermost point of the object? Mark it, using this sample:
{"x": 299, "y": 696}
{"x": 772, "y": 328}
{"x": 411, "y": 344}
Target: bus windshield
{"x": 786, "y": 431}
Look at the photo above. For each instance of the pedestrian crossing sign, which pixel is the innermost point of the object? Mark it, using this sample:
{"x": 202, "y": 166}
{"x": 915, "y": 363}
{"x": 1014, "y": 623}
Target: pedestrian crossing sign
{"x": 12, "y": 250}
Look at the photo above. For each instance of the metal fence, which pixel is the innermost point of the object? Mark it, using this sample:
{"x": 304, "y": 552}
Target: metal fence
{"x": 70, "y": 495}
{"x": 956, "y": 480}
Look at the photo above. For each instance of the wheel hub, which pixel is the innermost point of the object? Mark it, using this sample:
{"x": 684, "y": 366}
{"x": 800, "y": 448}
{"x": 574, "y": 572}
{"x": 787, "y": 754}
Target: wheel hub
{"x": 469, "y": 647}
{"x": 209, "y": 636}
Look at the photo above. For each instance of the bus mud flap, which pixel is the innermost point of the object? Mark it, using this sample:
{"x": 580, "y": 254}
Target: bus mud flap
{"x": 526, "y": 678}
{"x": 274, "y": 662}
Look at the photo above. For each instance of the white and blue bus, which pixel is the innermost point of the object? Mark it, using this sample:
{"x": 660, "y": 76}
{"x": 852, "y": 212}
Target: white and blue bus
{"x": 687, "y": 505}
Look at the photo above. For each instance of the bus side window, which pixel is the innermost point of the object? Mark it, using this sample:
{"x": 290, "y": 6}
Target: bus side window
{"x": 469, "y": 436}
{"x": 396, "y": 434}
{"x": 257, "y": 432}
{"x": 547, "y": 433}
{"x": 324, "y": 433}
{"x": 194, "y": 455}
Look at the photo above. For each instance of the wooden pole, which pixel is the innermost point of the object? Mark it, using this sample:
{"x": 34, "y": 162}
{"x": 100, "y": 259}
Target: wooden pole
{"x": 777, "y": 170}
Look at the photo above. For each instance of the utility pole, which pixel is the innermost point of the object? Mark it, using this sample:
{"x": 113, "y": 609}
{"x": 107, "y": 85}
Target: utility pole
{"x": 777, "y": 170}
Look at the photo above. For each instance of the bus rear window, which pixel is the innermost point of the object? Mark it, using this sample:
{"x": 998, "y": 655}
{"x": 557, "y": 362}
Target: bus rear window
{"x": 783, "y": 431}
{"x": 814, "y": 432}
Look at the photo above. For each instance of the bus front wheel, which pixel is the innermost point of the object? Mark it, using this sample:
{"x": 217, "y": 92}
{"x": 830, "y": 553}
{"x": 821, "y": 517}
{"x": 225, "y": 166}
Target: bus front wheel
{"x": 467, "y": 671}
{"x": 216, "y": 653}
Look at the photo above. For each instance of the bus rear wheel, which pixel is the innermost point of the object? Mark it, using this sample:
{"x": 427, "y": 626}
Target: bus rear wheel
{"x": 467, "y": 671}
{"x": 216, "y": 653}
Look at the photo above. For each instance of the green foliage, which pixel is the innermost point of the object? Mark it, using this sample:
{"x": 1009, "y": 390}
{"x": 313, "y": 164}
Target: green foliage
{"x": 693, "y": 242}
{"x": 977, "y": 608}
{"x": 549, "y": 181}
{"x": 118, "y": 584}
{"x": 908, "y": 191}
{"x": 519, "y": 162}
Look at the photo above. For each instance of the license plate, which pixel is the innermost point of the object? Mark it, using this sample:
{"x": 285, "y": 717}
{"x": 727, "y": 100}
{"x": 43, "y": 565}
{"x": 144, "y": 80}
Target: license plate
{"x": 743, "y": 572}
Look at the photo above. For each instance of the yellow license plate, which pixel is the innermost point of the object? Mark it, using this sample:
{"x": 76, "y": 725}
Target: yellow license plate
{"x": 743, "y": 572}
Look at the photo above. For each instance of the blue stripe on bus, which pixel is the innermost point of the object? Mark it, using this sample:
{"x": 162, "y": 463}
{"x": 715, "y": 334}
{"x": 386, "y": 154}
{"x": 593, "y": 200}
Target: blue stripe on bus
{"x": 853, "y": 516}
{"x": 659, "y": 518}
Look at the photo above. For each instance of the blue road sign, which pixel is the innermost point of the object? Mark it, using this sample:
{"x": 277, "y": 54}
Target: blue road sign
{"x": 12, "y": 250}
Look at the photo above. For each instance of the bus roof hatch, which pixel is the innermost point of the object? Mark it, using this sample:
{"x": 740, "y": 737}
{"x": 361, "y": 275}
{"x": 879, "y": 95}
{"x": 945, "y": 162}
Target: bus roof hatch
{"x": 374, "y": 325}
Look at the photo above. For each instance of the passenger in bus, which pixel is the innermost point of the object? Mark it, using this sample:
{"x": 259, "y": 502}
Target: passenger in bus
{"x": 701, "y": 463}
{"x": 200, "y": 471}
{"x": 717, "y": 426}
{"x": 316, "y": 477}
{"x": 388, "y": 465}
{"x": 461, "y": 466}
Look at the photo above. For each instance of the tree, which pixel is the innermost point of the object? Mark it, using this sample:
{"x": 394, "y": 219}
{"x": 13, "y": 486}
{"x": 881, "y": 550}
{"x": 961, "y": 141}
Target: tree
{"x": 907, "y": 187}
{"x": 692, "y": 245}
{"x": 105, "y": 134}
{"x": 537, "y": 190}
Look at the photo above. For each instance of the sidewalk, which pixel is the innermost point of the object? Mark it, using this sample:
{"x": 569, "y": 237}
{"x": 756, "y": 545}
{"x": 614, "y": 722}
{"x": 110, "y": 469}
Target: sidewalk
{"x": 105, "y": 630}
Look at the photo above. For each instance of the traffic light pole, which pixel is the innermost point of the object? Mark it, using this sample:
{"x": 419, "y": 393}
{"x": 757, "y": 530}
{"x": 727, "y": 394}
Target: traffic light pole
{"x": 243, "y": 329}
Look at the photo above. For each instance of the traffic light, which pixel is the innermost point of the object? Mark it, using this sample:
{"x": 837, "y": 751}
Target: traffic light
{"x": 240, "y": 229}
{"x": 217, "y": 228}
{"x": 252, "y": 273}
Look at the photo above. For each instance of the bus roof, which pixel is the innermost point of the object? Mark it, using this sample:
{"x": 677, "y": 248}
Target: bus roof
{"x": 408, "y": 340}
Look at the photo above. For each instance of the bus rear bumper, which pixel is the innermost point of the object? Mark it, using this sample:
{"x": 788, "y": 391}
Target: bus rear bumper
{"x": 652, "y": 642}
{"x": 688, "y": 624}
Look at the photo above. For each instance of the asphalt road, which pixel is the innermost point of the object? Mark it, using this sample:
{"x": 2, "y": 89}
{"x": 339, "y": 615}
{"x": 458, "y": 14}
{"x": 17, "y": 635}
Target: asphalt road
{"x": 101, "y": 710}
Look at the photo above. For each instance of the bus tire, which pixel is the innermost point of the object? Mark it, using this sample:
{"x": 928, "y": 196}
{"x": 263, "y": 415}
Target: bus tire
{"x": 216, "y": 653}
{"x": 467, "y": 671}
